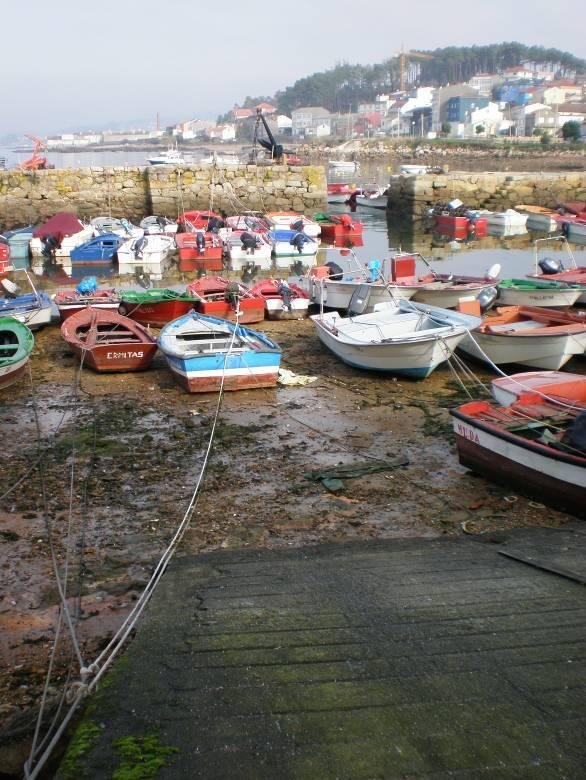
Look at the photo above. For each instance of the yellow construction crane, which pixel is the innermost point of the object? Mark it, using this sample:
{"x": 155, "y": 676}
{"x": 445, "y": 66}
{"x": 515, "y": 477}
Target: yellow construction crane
{"x": 403, "y": 56}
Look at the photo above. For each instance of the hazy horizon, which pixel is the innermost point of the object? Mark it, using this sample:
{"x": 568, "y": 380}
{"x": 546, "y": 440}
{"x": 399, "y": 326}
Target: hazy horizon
{"x": 86, "y": 67}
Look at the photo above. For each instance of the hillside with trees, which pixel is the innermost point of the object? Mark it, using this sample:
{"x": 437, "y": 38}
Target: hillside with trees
{"x": 341, "y": 88}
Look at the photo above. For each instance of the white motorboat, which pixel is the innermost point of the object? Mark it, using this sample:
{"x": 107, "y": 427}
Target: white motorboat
{"x": 374, "y": 198}
{"x": 540, "y": 218}
{"x": 533, "y": 292}
{"x": 413, "y": 170}
{"x": 509, "y": 218}
{"x": 154, "y": 224}
{"x": 220, "y": 159}
{"x": 574, "y": 229}
{"x": 171, "y": 157}
{"x": 291, "y": 243}
{"x": 334, "y": 290}
{"x": 344, "y": 165}
{"x": 407, "y": 339}
{"x": 532, "y": 336}
{"x": 151, "y": 254}
{"x": 241, "y": 250}
{"x": 120, "y": 227}
{"x": 553, "y": 271}
{"x": 292, "y": 220}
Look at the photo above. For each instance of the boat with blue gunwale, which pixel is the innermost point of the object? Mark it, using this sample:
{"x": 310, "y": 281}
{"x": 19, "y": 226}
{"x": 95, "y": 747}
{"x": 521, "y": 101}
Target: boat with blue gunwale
{"x": 206, "y": 354}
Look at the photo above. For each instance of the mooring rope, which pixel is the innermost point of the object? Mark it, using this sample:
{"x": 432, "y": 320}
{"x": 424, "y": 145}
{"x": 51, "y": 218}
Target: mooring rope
{"x": 91, "y": 674}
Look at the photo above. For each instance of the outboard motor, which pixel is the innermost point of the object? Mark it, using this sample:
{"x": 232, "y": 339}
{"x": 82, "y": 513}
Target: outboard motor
{"x": 298, "y": 241}
{"x": 359, "y": 301}
{"x": 200, "y": 242}
{"x": 285, "y": 292}
{"x": 297, "y": 268}
{"x": 214, "y": 224}
{"x": 49, "y": 246}
{"x": 10, "y": 289}
{"x": 493, "y": 272}
{"x": 550, "y": 266}
{"x": 336, "y": 273}
{"x": 249, "y": 271}
{"x": 248, "y": 241}
{"x": 297, "y": 225}
{"x": 139, "y": 246}
{"x": 487, "y": 297}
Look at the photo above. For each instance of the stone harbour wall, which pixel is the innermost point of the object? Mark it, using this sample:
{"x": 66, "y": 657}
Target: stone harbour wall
{"x": 32, "y": 196}
{"x": 414, "y": 195}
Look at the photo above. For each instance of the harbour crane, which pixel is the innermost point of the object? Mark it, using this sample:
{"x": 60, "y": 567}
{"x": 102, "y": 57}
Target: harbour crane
{"x": 403, "y": 56}
{"x": 36, "y": 162}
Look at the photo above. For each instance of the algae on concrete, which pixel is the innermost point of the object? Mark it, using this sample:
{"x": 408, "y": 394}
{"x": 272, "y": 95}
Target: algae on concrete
{"x": 85, "y": 738}
{"x": 141, "y": 757}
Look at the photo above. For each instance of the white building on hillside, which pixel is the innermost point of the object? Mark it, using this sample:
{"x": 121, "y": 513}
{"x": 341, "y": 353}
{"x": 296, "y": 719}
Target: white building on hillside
{"x": 222, "y": 132}
{"x": 482, "y": 123}
{"x": 311, "y": 120}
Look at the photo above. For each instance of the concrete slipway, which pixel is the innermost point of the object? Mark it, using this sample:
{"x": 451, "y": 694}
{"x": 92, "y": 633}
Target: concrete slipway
{"x": 386, "y": 659}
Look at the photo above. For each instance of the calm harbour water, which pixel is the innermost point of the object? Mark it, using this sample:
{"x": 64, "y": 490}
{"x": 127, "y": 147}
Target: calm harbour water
{"x": 381, "y": 235}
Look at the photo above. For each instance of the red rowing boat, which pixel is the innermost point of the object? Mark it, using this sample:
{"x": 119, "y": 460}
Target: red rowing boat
{"x": 106, "y": 341}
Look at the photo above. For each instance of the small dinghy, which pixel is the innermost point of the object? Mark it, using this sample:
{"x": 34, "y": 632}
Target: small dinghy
{"x": 107, "y": 341}
{"x": 562, "y": 385}
{"x": 16, "y": 345}
{"x": 208, "y": 353}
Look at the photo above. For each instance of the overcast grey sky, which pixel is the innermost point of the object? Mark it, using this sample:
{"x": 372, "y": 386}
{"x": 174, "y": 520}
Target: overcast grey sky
{"x": 70, "y": 63}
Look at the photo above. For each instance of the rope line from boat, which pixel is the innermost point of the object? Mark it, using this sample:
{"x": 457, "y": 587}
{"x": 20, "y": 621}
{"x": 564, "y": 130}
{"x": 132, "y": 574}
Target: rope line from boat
{"x": 457, "y": 366}
{"x": 49, "y": 529}
{"x": 64, "y": 606}
{"x": 499, "y": 371}
{"x": 91, "y": 674}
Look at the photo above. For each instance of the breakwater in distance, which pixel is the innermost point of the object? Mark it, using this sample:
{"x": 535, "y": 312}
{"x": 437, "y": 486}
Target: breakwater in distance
{"x": 414, "y": 195}
{"x": 29, "y": 197}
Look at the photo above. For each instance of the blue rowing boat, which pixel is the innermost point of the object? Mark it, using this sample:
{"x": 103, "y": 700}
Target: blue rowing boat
{"x": 206, "y": 354}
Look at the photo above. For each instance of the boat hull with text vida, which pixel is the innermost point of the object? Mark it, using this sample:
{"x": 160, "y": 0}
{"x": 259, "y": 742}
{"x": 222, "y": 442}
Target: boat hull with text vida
{"x": 108, "y": 342}
{"x": 520, "y": 445}
{"x": 206, "y": 354}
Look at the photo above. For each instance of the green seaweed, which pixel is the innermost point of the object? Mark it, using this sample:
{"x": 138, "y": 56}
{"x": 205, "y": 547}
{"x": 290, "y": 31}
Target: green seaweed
{"x": 141, "y": 757}
{"x": 85, "y": 738}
